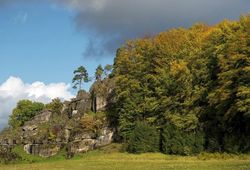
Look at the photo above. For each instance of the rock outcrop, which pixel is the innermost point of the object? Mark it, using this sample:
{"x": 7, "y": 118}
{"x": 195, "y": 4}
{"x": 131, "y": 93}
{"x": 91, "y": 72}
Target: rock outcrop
{"x": 100, "y": 94}
{"x": 78, "y": 127}
{"x": 79, "y": 105}
{"x": 86, "y": 142}
{"x": 42, "y": 149}
{"x": 30, "y": 128}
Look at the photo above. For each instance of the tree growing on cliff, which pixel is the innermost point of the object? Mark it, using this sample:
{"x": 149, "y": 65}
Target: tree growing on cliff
{"x": 80, "y": 76}
{"x": 99, "y": 72}
{"x": 55, "y": 106}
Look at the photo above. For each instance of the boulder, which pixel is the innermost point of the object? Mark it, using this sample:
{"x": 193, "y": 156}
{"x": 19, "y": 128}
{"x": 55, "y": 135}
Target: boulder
{"x": 81, "y": 146}
{"x": 101, "y": 92}
{"x": 41, "y": 149}
{"x": 101, "y": 103}
{"x": 30, "y": 128}
{"x": 105, "y": 138}
{"x": 85, "y": 142}
{"x": 49, "y": 150}
{"x": 78, "y": 106}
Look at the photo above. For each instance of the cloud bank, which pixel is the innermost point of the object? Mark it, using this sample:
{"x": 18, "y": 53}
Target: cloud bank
{"x": 14, "y": 89}
{"x": 109, "y": 23}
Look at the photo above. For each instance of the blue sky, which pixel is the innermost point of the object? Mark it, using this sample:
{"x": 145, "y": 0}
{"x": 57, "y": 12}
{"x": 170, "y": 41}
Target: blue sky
{"x": 40, "y": 42}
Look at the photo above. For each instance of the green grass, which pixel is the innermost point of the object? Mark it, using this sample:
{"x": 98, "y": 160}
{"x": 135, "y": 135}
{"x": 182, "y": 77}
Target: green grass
{"x": 109, "y": 159}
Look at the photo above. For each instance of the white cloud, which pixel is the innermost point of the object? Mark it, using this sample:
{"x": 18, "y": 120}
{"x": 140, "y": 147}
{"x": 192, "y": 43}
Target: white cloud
{"x": 14, "y": 89}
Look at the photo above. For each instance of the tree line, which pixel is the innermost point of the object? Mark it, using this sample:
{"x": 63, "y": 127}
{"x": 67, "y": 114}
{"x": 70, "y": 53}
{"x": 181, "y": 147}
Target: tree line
{"x": 192, "y": 86}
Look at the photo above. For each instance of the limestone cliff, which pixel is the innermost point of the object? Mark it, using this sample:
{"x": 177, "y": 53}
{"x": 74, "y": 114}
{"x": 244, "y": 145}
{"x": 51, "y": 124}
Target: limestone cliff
{"x": 76, "y": 128}
{"x": 100, "y": 92}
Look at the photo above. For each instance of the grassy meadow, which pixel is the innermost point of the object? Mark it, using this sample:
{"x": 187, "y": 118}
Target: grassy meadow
{"x": 108, "y": 159}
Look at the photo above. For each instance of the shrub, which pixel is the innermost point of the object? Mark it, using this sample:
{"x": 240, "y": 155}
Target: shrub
{"x": 175, "y": 141}
{"x": 144, "y": 138}
{"x": 93, "y": 122}
{"x": 6, "y": 156}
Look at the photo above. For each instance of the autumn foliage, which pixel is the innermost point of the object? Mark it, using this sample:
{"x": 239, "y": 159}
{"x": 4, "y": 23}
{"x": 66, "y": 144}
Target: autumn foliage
{"x": 196, "y": 80}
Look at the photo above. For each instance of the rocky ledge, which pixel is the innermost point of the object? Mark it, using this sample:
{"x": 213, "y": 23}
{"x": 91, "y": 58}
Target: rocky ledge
{"x": 77, "y": 129}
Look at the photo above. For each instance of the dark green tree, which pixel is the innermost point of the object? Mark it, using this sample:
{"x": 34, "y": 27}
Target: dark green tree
{"x": 144, "y": 138}
{"x": 176, "y": 141}
{"x": 80, "y": 76}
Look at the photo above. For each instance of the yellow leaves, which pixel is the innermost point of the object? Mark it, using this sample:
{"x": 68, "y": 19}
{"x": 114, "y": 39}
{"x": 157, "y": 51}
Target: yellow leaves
{"x": 171, "y": 41}
{"x": 243, "y": 102}
{"x": 243, "y": 91}
{"x": 178, "y": 67}
{"x": 246, "y": 69}
{"x": 91, "y": 123}
{"x": 198, "y": 35}
{"x": 219, "y": 96}
{"x": 88, "y": 122}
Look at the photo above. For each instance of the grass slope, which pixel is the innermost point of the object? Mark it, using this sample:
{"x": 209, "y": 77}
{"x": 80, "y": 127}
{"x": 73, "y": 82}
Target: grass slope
{"x": 97, "y": 160}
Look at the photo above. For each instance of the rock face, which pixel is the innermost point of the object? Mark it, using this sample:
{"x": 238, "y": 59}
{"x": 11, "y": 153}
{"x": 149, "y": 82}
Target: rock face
{"x": 33, "y": 143}
{"x": 30, "y": 128}
{"x": 41, "y": 149}
{"x": 83, "y": 142}
{"x": 101, "y": 103}
{"x": 81, "y": 146}
{"x": 101, "y": 92}
{"x": 86, "y": 142}
{"x": 105, "y": 138}
{"x": 44, "y": 116}
{"x": 79, "y": 105}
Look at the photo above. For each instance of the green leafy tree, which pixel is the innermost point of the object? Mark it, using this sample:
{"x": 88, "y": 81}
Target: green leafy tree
{"x": 80, "y": 76}
{"x": 55, "y": 106}
{"x": 24, "y": 111}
